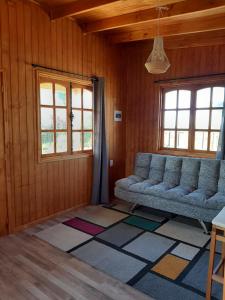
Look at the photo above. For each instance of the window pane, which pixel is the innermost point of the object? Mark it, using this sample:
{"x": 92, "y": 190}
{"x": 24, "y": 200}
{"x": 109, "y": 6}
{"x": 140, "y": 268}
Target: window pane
{"x": 60, "y": 95}
{"x": 169, "y": 119}
{"x": 47, "y": 142}
{"x": 183, "y": 119}
{"x": 61, "y": 122}
{"x": 46, "y": 93}
{"x": 182, "y": 139}
{"x": 76, "y": 98}
{"x": 171, "y": 100}
{"x": 87, "y": 120}
{"x": 214, "y": 140}
{"x": 203, "y": 98}
{"x": 201, "y": 140}
{"x": 47, "y": 118}
{"x": 61, "y": 142}
{"x": 202, "y": 119}
{"x": 87, "y": 140}
{"x": 218, "y": 97}
{"x": 77, "y": 143}
{"x": 216, "y": 118}
{"x": 184, "y": 99}
{"x": 76, "y": 120}
{"x": 87, "y": 99}
{"x": 169, "y": 139}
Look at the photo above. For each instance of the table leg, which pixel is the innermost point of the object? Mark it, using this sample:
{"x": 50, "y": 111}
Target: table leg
{"x": 211, "y": 264}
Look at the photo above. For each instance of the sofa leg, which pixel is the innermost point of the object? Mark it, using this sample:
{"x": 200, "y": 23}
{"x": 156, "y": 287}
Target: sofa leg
{"x": 133, "y": 207}
{"x": 204, "y": 227}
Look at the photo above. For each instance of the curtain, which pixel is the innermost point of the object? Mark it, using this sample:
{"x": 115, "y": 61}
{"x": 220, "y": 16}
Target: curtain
{"x": 221, "y": 145}
{"x": 100, "y": 189}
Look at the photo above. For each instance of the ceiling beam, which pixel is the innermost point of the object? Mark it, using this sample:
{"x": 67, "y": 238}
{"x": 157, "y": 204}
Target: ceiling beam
{"x": 77, "y": 7}
{"x": 198, "y": 8}
{"x": 170, "y": 27}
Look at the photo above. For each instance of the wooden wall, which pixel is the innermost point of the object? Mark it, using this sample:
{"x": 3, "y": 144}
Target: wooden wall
{"x": 37, "y": 190}
{"x": 140, "y": 93}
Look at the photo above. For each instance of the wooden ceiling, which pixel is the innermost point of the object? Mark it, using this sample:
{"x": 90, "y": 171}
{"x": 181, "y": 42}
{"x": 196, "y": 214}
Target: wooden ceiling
{"x": 134, "y": 20}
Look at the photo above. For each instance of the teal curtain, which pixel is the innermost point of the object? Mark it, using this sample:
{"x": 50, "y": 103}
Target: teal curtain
{"x": 221, "y": 145}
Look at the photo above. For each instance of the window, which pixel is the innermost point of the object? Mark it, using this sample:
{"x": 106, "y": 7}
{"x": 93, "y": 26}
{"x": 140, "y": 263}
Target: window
{"x": 191, "y": 118}
{"x": 65, "y": 117}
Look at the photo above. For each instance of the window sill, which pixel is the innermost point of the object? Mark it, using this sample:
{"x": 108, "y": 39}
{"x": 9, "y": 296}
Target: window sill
{"x": 196, "y": 154}
{"x": 64, "y": 157}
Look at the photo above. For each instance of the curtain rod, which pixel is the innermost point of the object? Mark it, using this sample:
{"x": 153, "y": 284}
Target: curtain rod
{"x": 80, "y": 76}
{"x": 189, "y": 78}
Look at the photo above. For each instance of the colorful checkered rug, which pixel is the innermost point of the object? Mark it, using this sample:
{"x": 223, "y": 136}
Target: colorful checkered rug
{"x": 163, "y": 256}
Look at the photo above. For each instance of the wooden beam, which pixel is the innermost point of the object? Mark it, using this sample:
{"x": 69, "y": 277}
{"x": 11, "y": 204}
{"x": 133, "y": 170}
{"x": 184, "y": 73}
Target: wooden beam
{"x": 198, "y": 8}
{"x": 170, "y": 28}
{"x": 77, "y": 7}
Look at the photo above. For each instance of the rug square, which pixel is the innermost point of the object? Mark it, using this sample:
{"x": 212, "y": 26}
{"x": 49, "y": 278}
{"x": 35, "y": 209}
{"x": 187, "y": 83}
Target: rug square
{"x": 170, "y": 266}
{"x": 218, "y": 247}
{"x": 63, "y": 237}
{"x": 120, "y": 234}
{"x": 84, "y": 226}
{"x": 161, "y": 289}
{"x": 109, "y": 260}
{"x": 144, "y": 213}
{"x": 149, "y": 246}
{"x": 184, "y": 233}
{"x": 100, "y": 215}
{"x": 185, "y": 251}
{"x": 142, "y": 223}
{"x": 122, "y": 206}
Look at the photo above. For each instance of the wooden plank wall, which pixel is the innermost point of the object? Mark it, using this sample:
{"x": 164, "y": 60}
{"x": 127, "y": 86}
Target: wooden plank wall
{"x": 28, "y": 36}
{"x": 140, "y": 93}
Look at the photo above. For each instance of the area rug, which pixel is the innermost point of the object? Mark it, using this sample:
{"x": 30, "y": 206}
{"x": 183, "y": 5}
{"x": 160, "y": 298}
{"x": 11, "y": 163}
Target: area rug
{"x": 164, "y": 256}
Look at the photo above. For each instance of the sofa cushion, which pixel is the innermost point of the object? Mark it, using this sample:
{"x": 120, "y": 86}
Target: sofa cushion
{"x": 209, "y": 174}
{"x": 176, "y": 193}
{"x": 142, "y": 164}
{"x": 140, "y": 187}
{"x": 157, "y": 168}
{"x": 158, "y": 190}
{"x": 217, "y": 201}
{"x": 221, "y": 183}
{"x": 198, "y": 197}
{"x": 172, "y": 173}
{"x": 189, "y": 173}
{"x": 125, "y": 183}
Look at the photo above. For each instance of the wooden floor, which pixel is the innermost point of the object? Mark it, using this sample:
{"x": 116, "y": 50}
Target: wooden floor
{"x": 32, "y": 269}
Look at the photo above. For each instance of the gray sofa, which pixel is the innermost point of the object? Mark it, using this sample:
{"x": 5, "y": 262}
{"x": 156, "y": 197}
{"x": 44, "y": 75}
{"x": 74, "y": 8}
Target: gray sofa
{"x": 190, "y": 187}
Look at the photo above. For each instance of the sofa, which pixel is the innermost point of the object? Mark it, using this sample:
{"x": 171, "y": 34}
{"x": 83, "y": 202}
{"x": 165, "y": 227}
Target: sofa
{"x": 191, "y": 187}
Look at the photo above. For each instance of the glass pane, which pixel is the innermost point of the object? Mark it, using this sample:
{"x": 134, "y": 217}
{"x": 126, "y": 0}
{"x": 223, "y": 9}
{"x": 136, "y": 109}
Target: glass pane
{"x": 47, "y": 142}
{"x": 61, "y": 142}
{"x": 202, "y": 119}
{"x": 76, "y": 98}
{"x": 216, "y": 118}
{"x": 171, "y": 100}
{"x": 183, "y": 119}
{"x": 46, "y": 93}
{"x": 87, "y": 99}
{"x": 203, "y": 98}
{"x": 218, "y": 97}
{"x": 77, "y": 143}
{"x": 87, "y": 119}
{"x": 182, "y": 139}
{"x": 76, "y": 120}
{"x": 184, "y": 99}
{"x": 201, "y": 140}
{"x": 214, "y": 140}
{"x": 60, "y": 95}
{"x": 87, "y": 140}
{"x": 47, "y": 118}
{"x": 61, "y": 122}
{"x": 169, "y": 139}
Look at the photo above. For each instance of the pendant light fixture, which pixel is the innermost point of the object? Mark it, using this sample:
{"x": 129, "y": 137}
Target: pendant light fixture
{"x": 158, "y": 62}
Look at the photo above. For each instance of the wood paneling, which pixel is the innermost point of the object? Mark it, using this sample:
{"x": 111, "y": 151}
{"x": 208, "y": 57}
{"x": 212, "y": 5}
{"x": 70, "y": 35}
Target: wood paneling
{"x": 28, "y": 36}
{"x": 142, "y": 96}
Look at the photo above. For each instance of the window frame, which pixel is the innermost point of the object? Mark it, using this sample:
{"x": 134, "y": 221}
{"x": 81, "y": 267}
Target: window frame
{"x": 193, "y": 86}
{"x": 64, "y": 80}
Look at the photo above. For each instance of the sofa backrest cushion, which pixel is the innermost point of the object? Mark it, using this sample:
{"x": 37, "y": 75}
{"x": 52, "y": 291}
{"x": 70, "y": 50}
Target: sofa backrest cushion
{"x": 221, "y": 183}
{"x": 142, "y": 164}
{"x": 172, "y": 171}
{"x": 157, "y": 168}
{"x": 209, "y": 175}
{"x": 189, "y": 173}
